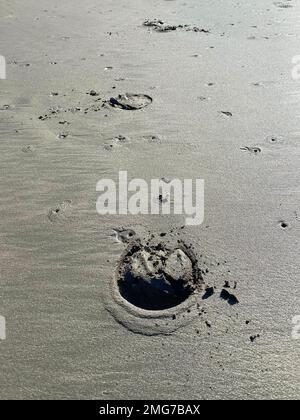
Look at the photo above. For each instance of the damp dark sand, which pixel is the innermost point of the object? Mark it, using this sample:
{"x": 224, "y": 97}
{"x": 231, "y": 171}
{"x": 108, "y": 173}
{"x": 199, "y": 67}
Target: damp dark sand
{"x": 215, "y": 101}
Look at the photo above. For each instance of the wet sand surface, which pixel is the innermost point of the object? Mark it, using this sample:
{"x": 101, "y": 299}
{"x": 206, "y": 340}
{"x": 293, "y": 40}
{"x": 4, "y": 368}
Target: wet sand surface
{"x": 225, "y": 109}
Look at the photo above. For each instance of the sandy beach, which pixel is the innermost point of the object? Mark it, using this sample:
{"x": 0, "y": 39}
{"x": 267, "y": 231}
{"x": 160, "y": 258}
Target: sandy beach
{"x": 216, "y": 101}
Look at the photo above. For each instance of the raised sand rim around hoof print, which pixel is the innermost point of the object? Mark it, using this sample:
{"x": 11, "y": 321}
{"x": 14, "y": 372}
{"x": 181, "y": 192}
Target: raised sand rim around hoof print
{"x": 131, "y": 101}
{"x": 155, "y": 287}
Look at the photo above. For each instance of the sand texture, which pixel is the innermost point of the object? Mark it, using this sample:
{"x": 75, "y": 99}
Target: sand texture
{"x": 161, "y": 89}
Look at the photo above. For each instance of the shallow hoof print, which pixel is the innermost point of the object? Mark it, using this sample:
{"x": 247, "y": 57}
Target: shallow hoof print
{"x": 92, "y": 93}
{"x": 115, "y": 142}
{"x": 28, "y": 149}
{"x": 130, "y": 101}
{"x": 156, "y": 278}
{"x": 61, "y": 212}
{"x": 229, "y": 297}
{"x": 152, "y": 139}
{"x": 155, "y": 287}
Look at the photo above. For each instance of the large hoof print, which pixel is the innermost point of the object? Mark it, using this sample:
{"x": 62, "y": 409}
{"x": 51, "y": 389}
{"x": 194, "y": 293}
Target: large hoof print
{"x": 156, "y": 278}
{"x": 155, "y": 288}
{"x": 130, "y": 101}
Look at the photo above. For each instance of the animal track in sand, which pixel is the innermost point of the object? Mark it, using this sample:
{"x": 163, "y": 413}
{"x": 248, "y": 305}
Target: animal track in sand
{"x": 155, "y": 286}
{"x": 92, "y": 93}
{"x": 158, "y": 283}
{"x": 115, "y": 142}
{"x": 60, "y": 212}
{"x": 152, "y": 139}
{"x": 155, "y": 277}
{"x": 127, "y": 101}
{"x": 131, "y": 101}
{"x": 28, "y": 149}
{"x": 53, "y": 111}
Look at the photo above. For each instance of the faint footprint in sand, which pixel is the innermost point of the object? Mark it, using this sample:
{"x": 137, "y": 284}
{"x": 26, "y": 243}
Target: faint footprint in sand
{"x": 92, "y": 93}
{"x": 115, "y": 142}
{"x": 60, "y": 212}
{"x": 130, "y": 101}
{"x": 28, "y": 149}
{"x": 251, "y": 149}
{"x": 152, "y": 139}
{"x": 52, "y": 112}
